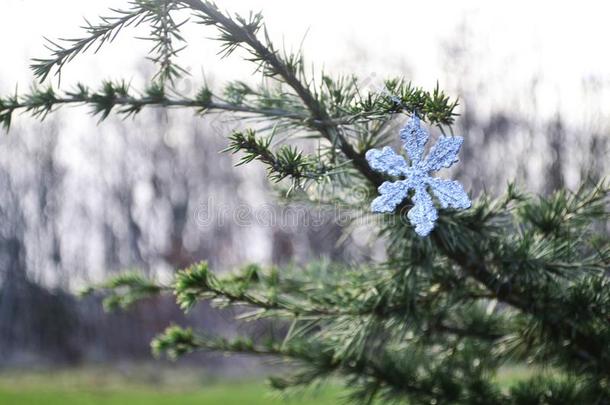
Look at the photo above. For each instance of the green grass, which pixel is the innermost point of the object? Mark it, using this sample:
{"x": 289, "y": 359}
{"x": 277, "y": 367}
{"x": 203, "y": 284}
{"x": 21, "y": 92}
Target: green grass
{"x": 226, "y": 394}
{"x": 158, "y": 385}
{"x": 143, "y": 386}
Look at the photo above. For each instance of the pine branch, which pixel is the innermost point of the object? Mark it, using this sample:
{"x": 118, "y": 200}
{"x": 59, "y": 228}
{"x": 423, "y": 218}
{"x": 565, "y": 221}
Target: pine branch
{"x": 286, "y": 161}
{"x": 165, "y": 32}
{"x": 101, "y": 33}
{"x": 269, "y": 296}
{"x": 235, "y": 34}
{"x": 156, "y": 13}
{"x": 124, "y": 290}
{"x": 42, "y": 101}
{"x": 537, "y": 298}
{"x": 199, "y": 283}
{"x": 394, "y": 373}
{"x": 399, "y": 96}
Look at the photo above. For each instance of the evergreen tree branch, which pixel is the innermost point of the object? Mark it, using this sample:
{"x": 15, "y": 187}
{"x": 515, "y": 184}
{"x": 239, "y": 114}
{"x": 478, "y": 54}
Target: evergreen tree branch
{"x": 538, "y": 298}
{"x": 165, "y": 32}
{"x": 395, "y": 373}
{"x": 40, "y": 102}
{"x": 124, "y": 290}
{"x": 156, "y": 13}
{"x": 100, "y": 33}
{"x": 243, "y": 34}
{"x": 269, "y": 296}
{"x": 286, "y": 161}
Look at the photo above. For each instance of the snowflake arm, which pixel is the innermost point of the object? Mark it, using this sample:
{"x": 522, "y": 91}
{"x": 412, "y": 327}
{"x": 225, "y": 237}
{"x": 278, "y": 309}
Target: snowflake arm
{"x": 391, "y": 195}
{"x": 450, "y": 193}
{"x": 414, "y": 139}
{"x": 386, "y": 161}
{"x": 443, "y": 153}
{"x": 423, "y": 215}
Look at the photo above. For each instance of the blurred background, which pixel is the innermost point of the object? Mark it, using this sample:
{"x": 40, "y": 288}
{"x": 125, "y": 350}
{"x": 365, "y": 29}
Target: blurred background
{"x": 81, "y": 201}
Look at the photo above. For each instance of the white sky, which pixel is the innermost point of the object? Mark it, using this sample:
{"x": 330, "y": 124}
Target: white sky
{"x": 562, "y": 43}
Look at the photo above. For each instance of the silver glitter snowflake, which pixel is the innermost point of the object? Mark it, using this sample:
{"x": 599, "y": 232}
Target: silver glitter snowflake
{"x": 417, "y": 177}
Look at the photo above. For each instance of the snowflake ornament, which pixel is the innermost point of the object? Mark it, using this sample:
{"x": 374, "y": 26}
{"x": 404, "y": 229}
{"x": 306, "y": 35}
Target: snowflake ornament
{"x": 417, "y": 176}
